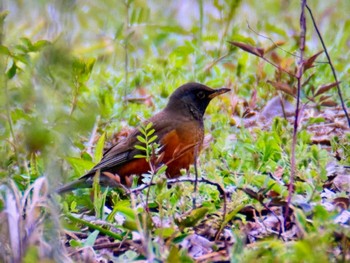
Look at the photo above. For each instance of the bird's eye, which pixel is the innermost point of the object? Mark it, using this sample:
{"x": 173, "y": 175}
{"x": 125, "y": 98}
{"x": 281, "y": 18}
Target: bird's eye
{"x": 201, "y": 95}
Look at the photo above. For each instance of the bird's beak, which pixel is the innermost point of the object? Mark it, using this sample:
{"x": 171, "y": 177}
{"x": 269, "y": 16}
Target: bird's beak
{"x": 218, "y": 92}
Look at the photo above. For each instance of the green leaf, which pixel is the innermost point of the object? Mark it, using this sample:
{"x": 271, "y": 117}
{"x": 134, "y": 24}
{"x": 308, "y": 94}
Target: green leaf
{"x": 90, "y": 241}
{"x": 73, "y": 207}
{"x": 99, "y": 197}
{"x": 162, "y": 169}
{"x": 143, "y": 132}
{"x": 180, "y": 238}
{"x": 152, "y": 139}
{"x": 140, "y": 147}
{"x": 12, "y": 71}
{"x": 141, "y": 139}
{"x": 130, "y": 225}
{"x": 148, "y": 126}
{"x": 301, "y": 218}
{"x": 119, "y": 31}
{"x": 28, "y": 46}
{"x": 99, "y": 147}
{"x": 120, "y": 203}
{"x": 174, "y": 255}
{"x": 165, "y": 232}
{"x": 93, "y": 226}
{"x": 79, "y": 165}
{"x": 191, "y": 219}
{"x": 4, "y": 50}
{"x": 82, "y": 69}
{"x": 40, "y": 44}
{"x": 150, "y": 132}
{"x": 75, "y": 243}
{"x": 127, "y": 211}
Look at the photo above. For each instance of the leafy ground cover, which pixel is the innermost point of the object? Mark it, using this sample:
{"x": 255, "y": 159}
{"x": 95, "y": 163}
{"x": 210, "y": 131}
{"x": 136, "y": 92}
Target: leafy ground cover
{"x": 77, "y": 74}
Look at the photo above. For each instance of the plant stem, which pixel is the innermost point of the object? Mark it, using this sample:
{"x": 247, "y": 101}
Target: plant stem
{"x": 330, "y": 64}
{"x": 299, "y": 75}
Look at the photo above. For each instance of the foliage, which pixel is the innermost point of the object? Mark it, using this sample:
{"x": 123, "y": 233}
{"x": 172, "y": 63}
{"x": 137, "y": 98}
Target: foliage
{"x": 74, "y": 72}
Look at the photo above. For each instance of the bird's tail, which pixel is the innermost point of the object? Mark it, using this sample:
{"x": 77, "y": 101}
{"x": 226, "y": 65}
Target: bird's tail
{"x": 106, "y": 179}
{"x": 79, "y": 183}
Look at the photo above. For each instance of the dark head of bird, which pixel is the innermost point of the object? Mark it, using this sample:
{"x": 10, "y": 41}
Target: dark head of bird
{"x": 193, "y": 97}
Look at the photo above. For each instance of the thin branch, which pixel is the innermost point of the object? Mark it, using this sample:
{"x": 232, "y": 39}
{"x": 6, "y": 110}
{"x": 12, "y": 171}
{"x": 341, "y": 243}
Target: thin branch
{"x": 278, "y": 67}
{"x": 330, "y": 64}
{"x": 279, "y": 47}
{"x": 178, "y": 180}
{"x": 196, "y": 177}
{"x": 299, "y": 75}
{"x": 209, "y": 67}
{"x": 273, "y": 42}
{"x": 281, "y": 226}
{"x": 260, "y": 54}
{"x": 183, "y": 180}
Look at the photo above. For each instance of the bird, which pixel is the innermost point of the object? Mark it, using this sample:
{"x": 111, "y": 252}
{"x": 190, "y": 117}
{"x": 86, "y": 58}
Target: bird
{"x": 179, "y": 128}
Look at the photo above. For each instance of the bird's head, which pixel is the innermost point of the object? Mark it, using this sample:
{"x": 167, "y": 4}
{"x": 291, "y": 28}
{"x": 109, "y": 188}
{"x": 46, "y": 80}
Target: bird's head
{"x": 193, "y": 97}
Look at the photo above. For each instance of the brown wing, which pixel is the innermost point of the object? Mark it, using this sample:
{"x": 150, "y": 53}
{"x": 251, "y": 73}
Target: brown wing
{"x": 125, "y": 151}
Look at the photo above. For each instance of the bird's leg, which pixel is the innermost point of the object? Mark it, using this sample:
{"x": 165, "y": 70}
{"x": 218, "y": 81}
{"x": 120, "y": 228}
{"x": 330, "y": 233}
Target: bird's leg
{"x": 196, "y": 176}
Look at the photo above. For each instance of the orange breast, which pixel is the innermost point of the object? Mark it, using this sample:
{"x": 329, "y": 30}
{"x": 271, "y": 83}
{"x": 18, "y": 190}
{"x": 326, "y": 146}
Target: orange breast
{"x": 180, "y": 146}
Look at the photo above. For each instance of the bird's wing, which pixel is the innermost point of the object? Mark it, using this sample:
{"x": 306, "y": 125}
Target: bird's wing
{"x": 125, "y": 150}
{"x": 118, "y": 154}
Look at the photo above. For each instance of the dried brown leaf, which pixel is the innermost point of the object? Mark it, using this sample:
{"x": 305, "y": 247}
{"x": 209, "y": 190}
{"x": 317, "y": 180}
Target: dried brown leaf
{"x": 324, "y": 97}
{"x": 283, "y": 87}
{"x": 253, "y": 99}
{"x": 275, "y": 58}
{"x": 309, "y": 63}
{"x": 325, "y": 88}
{"x": 250, "y": 49}
{"x": 275, "y": 45}
{"x": 329, "y": 103}
{"x": 308, "y": 80}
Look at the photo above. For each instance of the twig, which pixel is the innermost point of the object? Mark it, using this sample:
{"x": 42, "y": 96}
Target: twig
{"x": 107, "y": 245}
{"x": 182, "y": 180}
{"x": 330, "y": 64}
{"x": 278, "y": 219}
{"x": 278, "y": 67}
{"x": 299, "y": 75}
{"x": 196, "y": 177}
{"x": 179, "y": 180}
{"x": 273, "y": 42}
{"x": 207, "y": 68}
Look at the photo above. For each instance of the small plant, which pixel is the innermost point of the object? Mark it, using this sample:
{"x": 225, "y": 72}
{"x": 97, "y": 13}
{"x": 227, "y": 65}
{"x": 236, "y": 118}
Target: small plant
{"x": 147, "y": 140}
{"x": 150, "y": 149}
